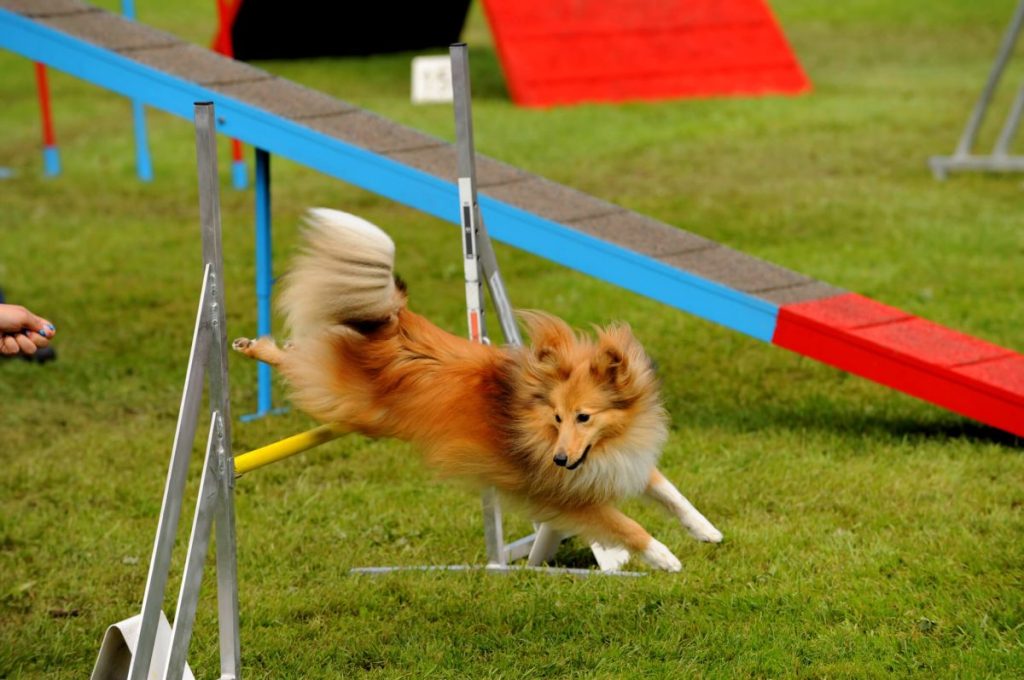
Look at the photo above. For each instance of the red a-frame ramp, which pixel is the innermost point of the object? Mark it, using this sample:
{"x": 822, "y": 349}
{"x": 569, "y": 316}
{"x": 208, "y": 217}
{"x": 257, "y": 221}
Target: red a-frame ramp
{"x": 570, "y": 51}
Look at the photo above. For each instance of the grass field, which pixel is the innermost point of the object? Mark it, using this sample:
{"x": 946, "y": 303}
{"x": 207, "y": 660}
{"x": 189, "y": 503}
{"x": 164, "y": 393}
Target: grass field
{"x": 867, "y": 534}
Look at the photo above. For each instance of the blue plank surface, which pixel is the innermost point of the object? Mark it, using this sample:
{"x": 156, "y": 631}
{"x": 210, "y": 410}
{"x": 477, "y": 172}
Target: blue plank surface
{"x": 373, "y": 172}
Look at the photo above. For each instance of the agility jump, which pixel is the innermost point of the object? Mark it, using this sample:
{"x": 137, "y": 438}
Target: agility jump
{"x": 146, "y": 644}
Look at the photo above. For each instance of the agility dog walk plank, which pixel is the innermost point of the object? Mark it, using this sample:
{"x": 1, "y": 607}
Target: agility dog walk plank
{"x": 311, "y": 128}
{"x": 550, "y": 220}
{"x": 964, "y": 374}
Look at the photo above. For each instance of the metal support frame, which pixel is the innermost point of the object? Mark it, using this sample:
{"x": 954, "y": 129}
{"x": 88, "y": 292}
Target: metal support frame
{"x": 152, "y": 652}
{"x": 480, "y": 261}
{"x": 999, "y": 160}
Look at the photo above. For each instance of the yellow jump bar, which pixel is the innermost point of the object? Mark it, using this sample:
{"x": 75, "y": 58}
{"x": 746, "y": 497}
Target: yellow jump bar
{"x": 271, "y": 453}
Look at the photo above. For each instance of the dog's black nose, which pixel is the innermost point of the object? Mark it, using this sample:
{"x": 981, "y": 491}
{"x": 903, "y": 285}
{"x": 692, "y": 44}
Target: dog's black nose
{"x": 561, "y": 459}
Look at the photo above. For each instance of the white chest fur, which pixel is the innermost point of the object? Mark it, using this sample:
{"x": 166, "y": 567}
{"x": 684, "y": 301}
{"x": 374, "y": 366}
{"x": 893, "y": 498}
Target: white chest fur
{"x": 614, "y": 473}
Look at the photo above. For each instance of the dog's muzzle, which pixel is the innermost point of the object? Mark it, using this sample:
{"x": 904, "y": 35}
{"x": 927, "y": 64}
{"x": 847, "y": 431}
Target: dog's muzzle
{"x": 562, "y": 460}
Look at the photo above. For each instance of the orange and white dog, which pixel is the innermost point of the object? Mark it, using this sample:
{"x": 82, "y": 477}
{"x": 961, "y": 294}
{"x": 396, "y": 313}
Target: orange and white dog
{"x": 567, "y": 427}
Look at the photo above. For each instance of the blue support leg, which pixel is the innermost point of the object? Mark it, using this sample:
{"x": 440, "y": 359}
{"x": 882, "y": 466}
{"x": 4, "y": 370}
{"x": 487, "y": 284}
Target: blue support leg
{"x": 264, "y": 281}
{"x": 51, "y": 161}
{"x": 143, "y": 164}
{"x": 239, "y": 175}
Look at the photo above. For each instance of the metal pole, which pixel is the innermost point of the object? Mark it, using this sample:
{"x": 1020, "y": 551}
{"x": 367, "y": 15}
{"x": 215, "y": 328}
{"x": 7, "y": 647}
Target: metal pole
{"x": 472, "y": 227}
{"x": 963, "y": 148}
{"x": 209, "y": 215}
{"x": 227, "y": 569}
{"x": 544, "y": 545}
{"x": 495, "y": 569}
{"x": 195, "y": 560}
{"x": 209, "y": 212}
{"x": 470, "y": 207}
{"x": 469, "y": 210}
{"x": 1009, "y": 130}
{"x": 499, "y": 296}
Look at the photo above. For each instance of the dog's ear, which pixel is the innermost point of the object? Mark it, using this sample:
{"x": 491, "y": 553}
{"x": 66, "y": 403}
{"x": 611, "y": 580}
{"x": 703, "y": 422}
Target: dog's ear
{"x": 550, "y": 339}
{"x": 618, "y": 355}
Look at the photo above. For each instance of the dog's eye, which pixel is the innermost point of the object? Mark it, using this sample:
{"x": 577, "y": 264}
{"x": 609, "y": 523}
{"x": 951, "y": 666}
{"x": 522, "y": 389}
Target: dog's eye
{"x": 558, "y": 418}
{"x": 582, "y": 417}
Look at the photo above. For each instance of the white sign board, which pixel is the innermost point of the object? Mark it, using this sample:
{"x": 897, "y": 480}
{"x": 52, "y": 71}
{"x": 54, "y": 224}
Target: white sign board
{"x": 431, "y": 79}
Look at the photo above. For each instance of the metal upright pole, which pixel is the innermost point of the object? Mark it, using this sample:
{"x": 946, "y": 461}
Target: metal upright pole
{"x": 227, "y": 564}
{"x": 215, "y": 506}
{"x": 468, "y": 208}
{"x": 472, "y": 236}
{"x": 487, "y": 263}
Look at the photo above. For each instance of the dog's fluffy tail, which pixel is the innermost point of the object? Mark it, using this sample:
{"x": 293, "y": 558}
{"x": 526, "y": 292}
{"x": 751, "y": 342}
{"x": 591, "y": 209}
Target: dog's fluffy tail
{"x": 344, "y": 276}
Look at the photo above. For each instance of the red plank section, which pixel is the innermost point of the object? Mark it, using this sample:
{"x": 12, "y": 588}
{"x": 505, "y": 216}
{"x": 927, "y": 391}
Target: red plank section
{"x": 972, "y": 377}
{"x": 570, "y": 51}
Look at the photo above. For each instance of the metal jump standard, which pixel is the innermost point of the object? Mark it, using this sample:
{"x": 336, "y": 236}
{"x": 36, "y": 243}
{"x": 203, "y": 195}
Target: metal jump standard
{"x": 1000, "y": 159}
{"x": 147, "y": 645}
{"x": 480, "y": 262}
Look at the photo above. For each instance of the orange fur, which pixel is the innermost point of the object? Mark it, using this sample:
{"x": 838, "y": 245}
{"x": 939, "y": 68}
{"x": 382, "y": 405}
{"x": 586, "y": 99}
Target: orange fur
{"x": 498, "y": 416}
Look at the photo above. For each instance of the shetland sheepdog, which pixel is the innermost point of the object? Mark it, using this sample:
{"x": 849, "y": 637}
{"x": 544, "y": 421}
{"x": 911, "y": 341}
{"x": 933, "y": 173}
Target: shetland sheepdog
{"x": 566, "y": 427}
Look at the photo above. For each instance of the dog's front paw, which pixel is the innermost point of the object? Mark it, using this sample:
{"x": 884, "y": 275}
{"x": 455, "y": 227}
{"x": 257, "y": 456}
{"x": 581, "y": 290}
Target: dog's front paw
{"x": 699, "y": 526}
{"x": 705, "y": 531}
{"x": 242, "y": 344}
{"x": 660, "y": 557}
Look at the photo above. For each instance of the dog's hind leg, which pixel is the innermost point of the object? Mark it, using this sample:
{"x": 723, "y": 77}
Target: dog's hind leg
{"x": 609, "y": 526}
{"x": 262, "y": 349}
{"x": 665, "y": 492}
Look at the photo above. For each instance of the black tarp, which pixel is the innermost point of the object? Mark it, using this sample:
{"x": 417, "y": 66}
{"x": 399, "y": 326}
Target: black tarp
{"x": 269, "y": 29}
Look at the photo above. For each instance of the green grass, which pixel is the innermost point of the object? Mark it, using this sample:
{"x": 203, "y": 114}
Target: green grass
{"x": 867, "y": 534}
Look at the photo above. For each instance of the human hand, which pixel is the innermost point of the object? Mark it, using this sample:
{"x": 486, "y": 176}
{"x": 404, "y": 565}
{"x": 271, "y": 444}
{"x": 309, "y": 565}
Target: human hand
{"x": 21, "y": 331}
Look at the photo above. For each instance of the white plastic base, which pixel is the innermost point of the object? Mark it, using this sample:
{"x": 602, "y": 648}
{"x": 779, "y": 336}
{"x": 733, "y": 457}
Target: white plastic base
{"x": 118, "y": 648}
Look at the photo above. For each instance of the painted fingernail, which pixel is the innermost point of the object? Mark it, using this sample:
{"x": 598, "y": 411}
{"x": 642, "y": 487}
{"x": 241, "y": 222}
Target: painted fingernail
{"x": 51, "y": 327}
{"x": 41, "y": 331}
